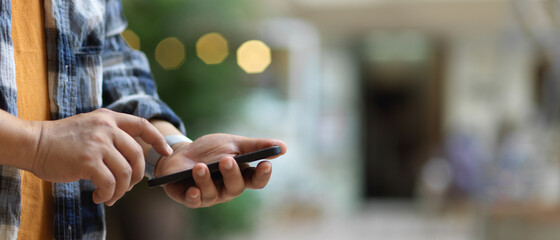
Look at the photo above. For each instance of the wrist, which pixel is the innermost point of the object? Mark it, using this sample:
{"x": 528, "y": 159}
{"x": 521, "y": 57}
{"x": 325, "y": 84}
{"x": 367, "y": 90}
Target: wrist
{"x": 153, "y": 159}
{"x": 19, "y": 140}
{"x": 29, "y": 136}
{"x": 158, "y": 169}
{"x": 37, "y": 140}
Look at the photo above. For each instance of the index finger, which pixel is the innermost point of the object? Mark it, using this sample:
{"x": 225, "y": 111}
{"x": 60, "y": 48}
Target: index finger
{"x": 246, "y": 145}
{"x": 140, "y": 127}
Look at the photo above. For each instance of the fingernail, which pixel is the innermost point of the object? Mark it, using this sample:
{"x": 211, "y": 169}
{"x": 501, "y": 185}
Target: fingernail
{"x": 267, "y": 169}
{"x": 169, "y": 149}
{"x": 201, "y": 172}
{"x": 229, "y": 164}
{"x": 195, "y": 195}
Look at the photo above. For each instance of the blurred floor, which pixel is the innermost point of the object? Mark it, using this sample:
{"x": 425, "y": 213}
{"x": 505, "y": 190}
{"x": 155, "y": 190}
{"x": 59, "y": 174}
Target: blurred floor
{"x": 376, "y": 220}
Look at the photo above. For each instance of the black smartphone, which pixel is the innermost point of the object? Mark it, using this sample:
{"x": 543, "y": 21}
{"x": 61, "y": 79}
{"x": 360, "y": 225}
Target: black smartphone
{"x": 213, "y": 167}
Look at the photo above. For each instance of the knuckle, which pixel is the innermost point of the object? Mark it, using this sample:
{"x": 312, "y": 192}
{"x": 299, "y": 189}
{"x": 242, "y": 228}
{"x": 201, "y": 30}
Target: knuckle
{"x": 97, "y": 137}
{"x": 126, "y": 172}
{"x": 108, "y": 183}
{"x": 144, "y": 121}
{"x": 138, "y": 153}
{"x": 87, "y": 158}
{"x": 101, "y": 121}
{"x": 103, "y": 111}
{"x": 89, "y": 161}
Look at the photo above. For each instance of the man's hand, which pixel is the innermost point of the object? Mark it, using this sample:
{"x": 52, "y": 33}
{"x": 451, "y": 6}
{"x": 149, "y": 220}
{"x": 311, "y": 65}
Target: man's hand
{"x": 97, "y": 146}
{"x": 212, "y": 148}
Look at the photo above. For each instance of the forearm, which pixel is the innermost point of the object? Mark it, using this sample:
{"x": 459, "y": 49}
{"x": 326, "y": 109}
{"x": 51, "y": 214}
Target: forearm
{"x": 165, "y": 127}
{"x": 18, "y": 141}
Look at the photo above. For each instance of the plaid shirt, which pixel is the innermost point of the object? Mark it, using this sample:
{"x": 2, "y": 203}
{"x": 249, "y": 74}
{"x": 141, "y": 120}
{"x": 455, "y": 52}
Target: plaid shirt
{"x": 89, "y": 66}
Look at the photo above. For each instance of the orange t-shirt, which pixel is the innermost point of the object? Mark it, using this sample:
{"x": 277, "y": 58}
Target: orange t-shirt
{"x": 28, "y": 35}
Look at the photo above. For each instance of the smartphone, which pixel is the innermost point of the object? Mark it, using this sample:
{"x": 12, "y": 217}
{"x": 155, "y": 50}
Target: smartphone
{"x": 213, "y": 167}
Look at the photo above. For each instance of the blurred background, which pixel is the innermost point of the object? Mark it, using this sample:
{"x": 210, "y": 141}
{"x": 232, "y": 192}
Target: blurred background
{"x": 404, "y": 119}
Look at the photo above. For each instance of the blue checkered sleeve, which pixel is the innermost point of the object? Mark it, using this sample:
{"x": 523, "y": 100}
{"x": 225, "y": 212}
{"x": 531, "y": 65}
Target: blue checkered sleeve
{"x": 128, "y": 85}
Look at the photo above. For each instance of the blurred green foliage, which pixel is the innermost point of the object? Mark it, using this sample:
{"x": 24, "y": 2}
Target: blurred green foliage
{"x": 237, "y": 216}
{"x": 204, "y": 96}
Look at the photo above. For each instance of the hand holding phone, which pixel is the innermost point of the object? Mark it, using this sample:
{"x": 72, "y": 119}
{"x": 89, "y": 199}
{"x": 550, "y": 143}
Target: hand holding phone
{"x": 214, "y": 167}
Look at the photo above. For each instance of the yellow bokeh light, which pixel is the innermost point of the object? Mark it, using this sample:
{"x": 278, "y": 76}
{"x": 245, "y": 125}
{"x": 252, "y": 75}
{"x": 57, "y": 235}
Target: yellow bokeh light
{"x": 212, "y": 48}
{"x": 131, "y": 38}
{"x": 253, "y": 56}
{"x": 170, "y": 53}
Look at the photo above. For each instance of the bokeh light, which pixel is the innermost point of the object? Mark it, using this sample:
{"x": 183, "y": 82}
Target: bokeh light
{"x": 212, "y": 48}
{"x": 253, "y": 56}
{"x": 131, "y": 38}
{"x": 170, "y": 53}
